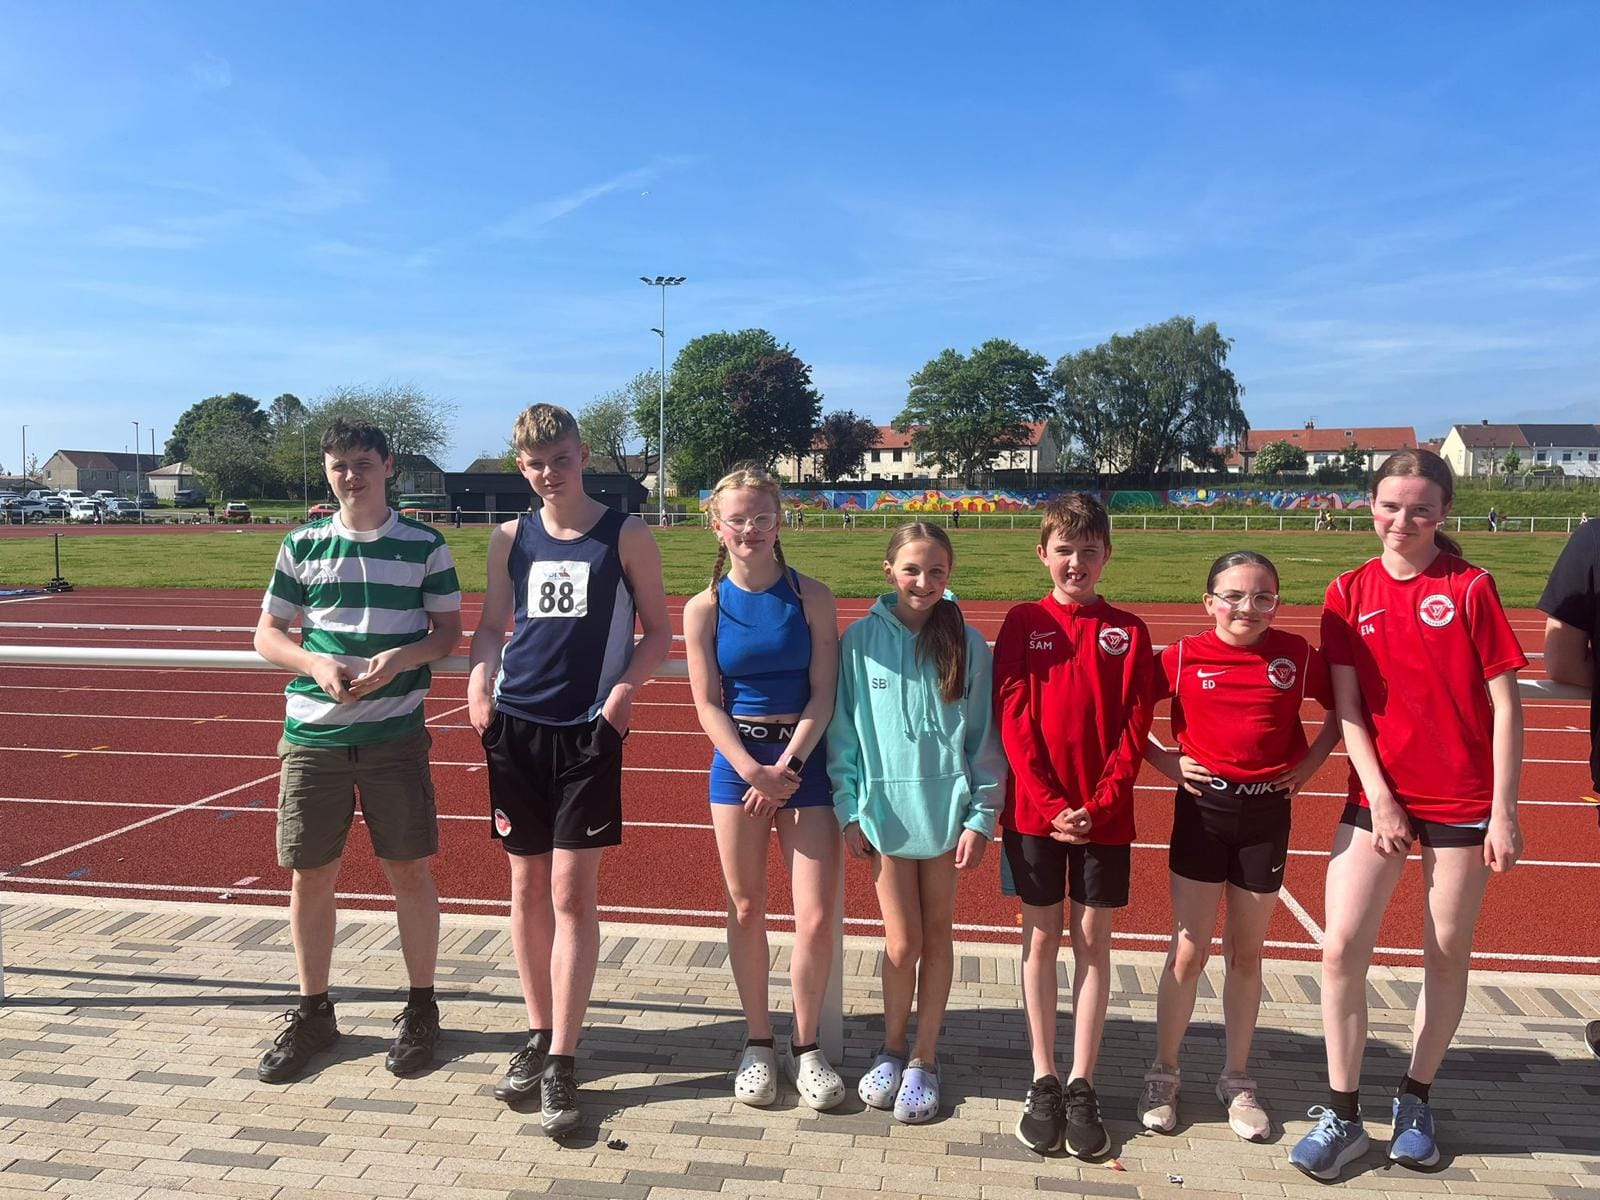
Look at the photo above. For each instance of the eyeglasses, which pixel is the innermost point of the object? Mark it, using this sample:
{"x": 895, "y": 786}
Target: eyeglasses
{"x": 1262, "y": 602}
{"x": 762, "y": 522}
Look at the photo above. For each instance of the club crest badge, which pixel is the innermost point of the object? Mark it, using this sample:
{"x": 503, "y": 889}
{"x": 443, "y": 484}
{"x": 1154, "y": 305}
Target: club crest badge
{"x": 1115, "y": 641}
{"x": 1437, "y": 610}
{"x": 1282, "y": 673}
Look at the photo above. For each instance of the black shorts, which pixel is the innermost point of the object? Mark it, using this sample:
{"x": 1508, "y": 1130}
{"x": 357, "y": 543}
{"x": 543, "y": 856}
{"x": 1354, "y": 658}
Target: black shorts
{"x": 1430, "y": 833}
{"x": 1043, "y": 871}
{"x": 1224, "y": 837}
{"x": 553, "y": 786}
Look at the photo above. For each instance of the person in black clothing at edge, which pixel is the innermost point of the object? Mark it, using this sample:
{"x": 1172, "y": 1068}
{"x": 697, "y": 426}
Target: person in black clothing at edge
{"x": 1571, "y": 605}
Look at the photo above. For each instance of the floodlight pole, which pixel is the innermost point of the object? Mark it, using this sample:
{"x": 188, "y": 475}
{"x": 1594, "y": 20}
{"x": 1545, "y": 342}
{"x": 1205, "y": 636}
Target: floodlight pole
{"x": 136, "y": 488}
{"x": 663, "y": 282}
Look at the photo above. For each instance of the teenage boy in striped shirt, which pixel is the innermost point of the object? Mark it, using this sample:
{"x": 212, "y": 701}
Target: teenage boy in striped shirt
{"x": 377, "y": 600}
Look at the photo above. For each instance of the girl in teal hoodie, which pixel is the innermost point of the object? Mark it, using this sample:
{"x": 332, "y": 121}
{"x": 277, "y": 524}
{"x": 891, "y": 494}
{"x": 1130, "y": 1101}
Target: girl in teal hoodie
{"x": 917, "y": 773}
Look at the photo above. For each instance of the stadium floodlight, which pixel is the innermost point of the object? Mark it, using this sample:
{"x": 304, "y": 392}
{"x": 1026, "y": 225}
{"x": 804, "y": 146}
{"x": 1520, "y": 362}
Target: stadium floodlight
{"x": 663, "y": 282}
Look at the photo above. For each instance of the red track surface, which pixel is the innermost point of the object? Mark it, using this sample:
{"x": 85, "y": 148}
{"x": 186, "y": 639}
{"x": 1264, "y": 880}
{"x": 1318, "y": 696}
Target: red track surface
{"x": 163, "y": 785}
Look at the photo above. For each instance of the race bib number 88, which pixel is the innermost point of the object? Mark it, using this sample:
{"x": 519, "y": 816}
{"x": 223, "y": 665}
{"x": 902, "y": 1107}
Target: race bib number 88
{"x": 558, "y": 589}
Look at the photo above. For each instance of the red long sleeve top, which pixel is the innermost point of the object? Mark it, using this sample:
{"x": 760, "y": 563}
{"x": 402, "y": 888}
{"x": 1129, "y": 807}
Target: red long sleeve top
{"x": 1073, "y": 699}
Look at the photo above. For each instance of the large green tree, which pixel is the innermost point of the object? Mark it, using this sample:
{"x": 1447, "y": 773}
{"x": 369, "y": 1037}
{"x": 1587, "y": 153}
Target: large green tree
{"x": 245, "y": 407}
{"x": 843, "y": 442}
{"x": 737, "y": 397}
{"x": 963, "y": 408}
{"x": 230, "y": 450}
{"x": 1141, "y": 401}
{"x": 606, "y": 423}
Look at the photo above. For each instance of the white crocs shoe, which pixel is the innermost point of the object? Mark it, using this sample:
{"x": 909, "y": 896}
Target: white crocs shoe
{"x": 918, "y": 1100}
{"x": 881, "y": 1084}
{"x": 818, "y": 1083}
{"x": 755, "y": 1080}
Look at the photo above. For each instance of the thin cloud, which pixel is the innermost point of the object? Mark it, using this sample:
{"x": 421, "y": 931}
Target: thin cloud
{"x": 530, "y": 221}
{"x": 211, "y": 74}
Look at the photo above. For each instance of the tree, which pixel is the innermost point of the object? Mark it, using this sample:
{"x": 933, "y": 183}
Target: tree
{"x": 845, "y": 440}
{"x": 606, "y": 424}
{"x": 414, "y": 421}
{"x": 737, "y": 397}
{"x": 228, "y": 448}
{"x": 246, "y": 407}
{"x": 287, "y": 412}
{"x": 1142, "y": 401}
{"x": 642, "y": 396}
{"x": 963, "y": 408}
{"x": 1277, "y": 457}
{"x": 1512, "y": 462}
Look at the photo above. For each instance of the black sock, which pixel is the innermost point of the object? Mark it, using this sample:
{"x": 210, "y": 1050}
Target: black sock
{"x": 766, "y": 1041}
{"x": 420, "y": 997}
{"x": 1419, "y": 1090}
{"x": 552, "y": 1061}
{"x": 1346, "y": 1105}
{"x": 796, "y": 1049}
{"x": 316, "y": 1006}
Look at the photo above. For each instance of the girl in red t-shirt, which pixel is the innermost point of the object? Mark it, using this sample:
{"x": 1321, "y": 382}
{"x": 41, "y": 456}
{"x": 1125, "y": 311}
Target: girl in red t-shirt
{"x": 1236, "y": 694}
{"x": 1424, "y": 668}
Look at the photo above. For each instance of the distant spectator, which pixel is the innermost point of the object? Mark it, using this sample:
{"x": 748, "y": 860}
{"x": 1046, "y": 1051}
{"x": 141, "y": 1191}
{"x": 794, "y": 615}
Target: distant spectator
{"x": 457, "y": 518}
{"x": 1494, "y": 519}
{"x": 211, "y": 512}
{"x": 955, "y": 519}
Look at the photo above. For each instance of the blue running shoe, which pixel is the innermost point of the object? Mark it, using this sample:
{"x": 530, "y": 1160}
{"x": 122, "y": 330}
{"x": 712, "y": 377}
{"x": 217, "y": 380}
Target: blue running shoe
{"x": 1413, "y": 1144}
{"x": 1330, "y": 1145}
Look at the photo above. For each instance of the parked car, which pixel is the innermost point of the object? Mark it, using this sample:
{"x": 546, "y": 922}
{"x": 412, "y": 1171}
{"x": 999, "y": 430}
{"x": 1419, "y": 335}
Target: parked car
{"x": 83, "y": 511}
{"x": 147, "y": 500}
{"x": 103, "y": 495}
{"x": 318, "y": 511}
{"x": 188, "y": 498}
{"x": 54, "y": 505}
{"x": 237, "y": 510}
{"x": 72, "y": 495}
{"x": 26, "y": 510}
{"x": 118, "y": 509}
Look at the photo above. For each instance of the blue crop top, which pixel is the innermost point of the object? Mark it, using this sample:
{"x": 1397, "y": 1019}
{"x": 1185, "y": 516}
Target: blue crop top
{"x": 763, "y": 649}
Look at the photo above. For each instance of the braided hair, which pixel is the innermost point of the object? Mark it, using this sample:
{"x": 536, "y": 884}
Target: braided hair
{"x": 743, "y": 478}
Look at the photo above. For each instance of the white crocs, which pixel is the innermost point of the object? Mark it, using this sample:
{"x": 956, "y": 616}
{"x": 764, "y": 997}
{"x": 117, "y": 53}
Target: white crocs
{"x": 818, "y": 1083}
{"x": 755, "y": 1080}
{"x": 918, "y": 1100}
{"x": 881, "y": 1083}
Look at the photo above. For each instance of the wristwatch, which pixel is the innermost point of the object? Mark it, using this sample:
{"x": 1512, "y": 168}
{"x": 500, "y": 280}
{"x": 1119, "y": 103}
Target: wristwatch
{"x": 794, "y": 763}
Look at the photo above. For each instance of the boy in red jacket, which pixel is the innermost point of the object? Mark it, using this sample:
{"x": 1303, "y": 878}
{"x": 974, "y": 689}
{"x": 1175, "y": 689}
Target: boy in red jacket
{"x": 1072, "y": 683}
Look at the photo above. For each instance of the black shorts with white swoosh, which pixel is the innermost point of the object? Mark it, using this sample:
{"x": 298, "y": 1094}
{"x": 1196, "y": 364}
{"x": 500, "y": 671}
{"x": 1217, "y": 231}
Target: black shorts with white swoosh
{"x": 553, "y": 786}
{"x": 1236, "y": 833}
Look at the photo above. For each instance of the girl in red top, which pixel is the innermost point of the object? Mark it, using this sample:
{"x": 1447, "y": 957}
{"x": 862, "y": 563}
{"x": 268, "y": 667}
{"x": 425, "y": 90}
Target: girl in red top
{"x": 1236, "y": 694}
{"x": 1424, "y": 668}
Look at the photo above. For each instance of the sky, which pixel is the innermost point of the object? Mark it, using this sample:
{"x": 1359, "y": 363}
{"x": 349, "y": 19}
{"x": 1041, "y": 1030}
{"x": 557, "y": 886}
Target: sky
{"x": 1393, "y": 210}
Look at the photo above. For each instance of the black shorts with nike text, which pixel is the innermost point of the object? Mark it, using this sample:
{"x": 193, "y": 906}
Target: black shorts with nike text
{"x": 553, "y": 786}
{"x": 1236, "y": 833}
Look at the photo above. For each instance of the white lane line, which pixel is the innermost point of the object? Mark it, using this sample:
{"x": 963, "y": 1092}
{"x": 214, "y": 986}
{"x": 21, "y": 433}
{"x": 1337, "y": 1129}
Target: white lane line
{"x": 28, "y": 599}
{"x": 1301, "y": 915}
{"x": 787, "y": 918}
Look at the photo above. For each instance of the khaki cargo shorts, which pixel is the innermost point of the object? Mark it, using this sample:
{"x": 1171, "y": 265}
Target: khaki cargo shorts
{"x": 317, "y": 790}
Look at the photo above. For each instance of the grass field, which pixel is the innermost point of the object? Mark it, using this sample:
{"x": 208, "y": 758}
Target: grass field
{"x": 990, "y": 564}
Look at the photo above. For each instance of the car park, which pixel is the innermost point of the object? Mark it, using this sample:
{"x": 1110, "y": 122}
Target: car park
{"x": 103, "y": 495}
{"x": 83, "y": 511}
{"x": 147, "y": 500}
{"x": 188, "y": 498}
{"x": 236, "y": 510}
{"x": 119, "y": 510}
{"x": 26, "y": 511}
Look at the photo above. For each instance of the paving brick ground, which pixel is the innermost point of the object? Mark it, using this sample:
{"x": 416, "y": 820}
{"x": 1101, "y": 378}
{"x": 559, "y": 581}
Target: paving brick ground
{"x": 130, "y": 1032}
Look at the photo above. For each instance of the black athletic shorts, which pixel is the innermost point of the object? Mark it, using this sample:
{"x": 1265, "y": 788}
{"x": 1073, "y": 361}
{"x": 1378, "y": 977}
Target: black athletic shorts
{"x": 553, "y": 785}
{"x": 1044, "y": 871}
{"x": 1430, "y": 833}
{"x": 1222, "y": 836}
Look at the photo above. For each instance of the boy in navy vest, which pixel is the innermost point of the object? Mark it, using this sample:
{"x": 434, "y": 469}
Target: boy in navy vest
{"x": 553, "y": 706}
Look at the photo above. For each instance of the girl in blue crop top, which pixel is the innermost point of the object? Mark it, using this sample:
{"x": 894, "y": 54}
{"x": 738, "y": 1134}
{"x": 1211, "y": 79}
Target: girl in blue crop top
{"x": 763, "y": 648}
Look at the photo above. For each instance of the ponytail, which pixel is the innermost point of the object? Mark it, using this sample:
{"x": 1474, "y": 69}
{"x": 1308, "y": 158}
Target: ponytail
{"x": 943, "y": 638}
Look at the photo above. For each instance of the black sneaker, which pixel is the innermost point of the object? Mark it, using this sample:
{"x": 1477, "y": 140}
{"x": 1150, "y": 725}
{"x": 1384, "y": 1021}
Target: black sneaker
{"x": 413, "y": 1044}
{"x": 1086, "y": 1133}
{"x": 559, "y": 1100}
{"x": 1039, "y": 1128}
{"x": 302, "y": 1037}
{"x": 1591, "y": 1035}
{"x": 522, "y": 1077}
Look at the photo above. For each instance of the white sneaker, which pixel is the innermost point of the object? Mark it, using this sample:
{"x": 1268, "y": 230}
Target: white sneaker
{"x": 755, "y": 1080}
{"x": 817, "y": 1082}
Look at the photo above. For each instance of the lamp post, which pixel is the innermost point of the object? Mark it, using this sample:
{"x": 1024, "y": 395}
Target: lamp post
{"x": 305, "y": 492}
{"x": 663, "y": 282}
{"x": 136, "y": 488}
{"x": 24, "y": 453}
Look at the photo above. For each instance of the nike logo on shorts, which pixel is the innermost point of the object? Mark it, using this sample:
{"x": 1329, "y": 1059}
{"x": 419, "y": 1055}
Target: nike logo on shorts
{"x": 1277, "y": 868}
{"x": 596, "y": 829}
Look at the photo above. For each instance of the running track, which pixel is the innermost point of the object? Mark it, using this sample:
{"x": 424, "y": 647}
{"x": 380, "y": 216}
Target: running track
{"x": 162, "y": 785}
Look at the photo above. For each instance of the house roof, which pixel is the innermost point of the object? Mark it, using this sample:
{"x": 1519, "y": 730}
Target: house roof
{"x": 890, "y": 438}
{"x": 1328, "y": 441}
{"x": 177, "y": 468}
{"x": 103, "y": 460}
{"x": 488, "y": 464}
{"x": 1562, "y": 435}
{"x": 416, "y": 462}
{"x": 1491, "y": 437}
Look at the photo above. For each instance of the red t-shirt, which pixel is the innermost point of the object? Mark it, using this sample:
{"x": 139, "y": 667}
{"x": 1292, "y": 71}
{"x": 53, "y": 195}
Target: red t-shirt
{"x": 1422, "y": 649}
{"x": 1072, "y": 699}
{"x": 1236, "y": 709}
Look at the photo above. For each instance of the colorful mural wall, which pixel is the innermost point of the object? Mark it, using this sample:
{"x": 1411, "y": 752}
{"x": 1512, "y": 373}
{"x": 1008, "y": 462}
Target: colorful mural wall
{"x": 998, "y": 500}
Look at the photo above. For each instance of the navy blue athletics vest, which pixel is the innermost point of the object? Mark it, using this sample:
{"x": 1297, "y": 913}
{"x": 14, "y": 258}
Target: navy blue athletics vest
{"x": 573, "y": 631}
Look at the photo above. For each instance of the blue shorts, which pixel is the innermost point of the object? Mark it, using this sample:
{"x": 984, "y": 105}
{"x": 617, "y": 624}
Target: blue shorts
{"x": 815, "y": 789}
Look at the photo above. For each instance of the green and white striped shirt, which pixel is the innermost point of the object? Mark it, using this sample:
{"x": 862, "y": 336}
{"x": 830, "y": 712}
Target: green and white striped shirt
{"x": 360, "y": 592}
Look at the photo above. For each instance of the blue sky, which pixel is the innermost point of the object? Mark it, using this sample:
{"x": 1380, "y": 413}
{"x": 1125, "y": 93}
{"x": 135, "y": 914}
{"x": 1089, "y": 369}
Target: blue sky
{"x": 1393, "y": 209}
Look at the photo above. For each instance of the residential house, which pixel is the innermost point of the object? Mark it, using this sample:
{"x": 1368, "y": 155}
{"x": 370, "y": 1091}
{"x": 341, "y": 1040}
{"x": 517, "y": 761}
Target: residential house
{"x": 93, "y": 470}
{"x": 893, "y": 461}
{"x": 1375, "y": 443}
{"x": 1481, "y": 449}
{"x": 166, "y": 481}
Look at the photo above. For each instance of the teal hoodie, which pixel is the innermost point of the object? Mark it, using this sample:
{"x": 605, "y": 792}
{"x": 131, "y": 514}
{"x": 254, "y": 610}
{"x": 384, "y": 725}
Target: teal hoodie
{"x": 912, "y": 769}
